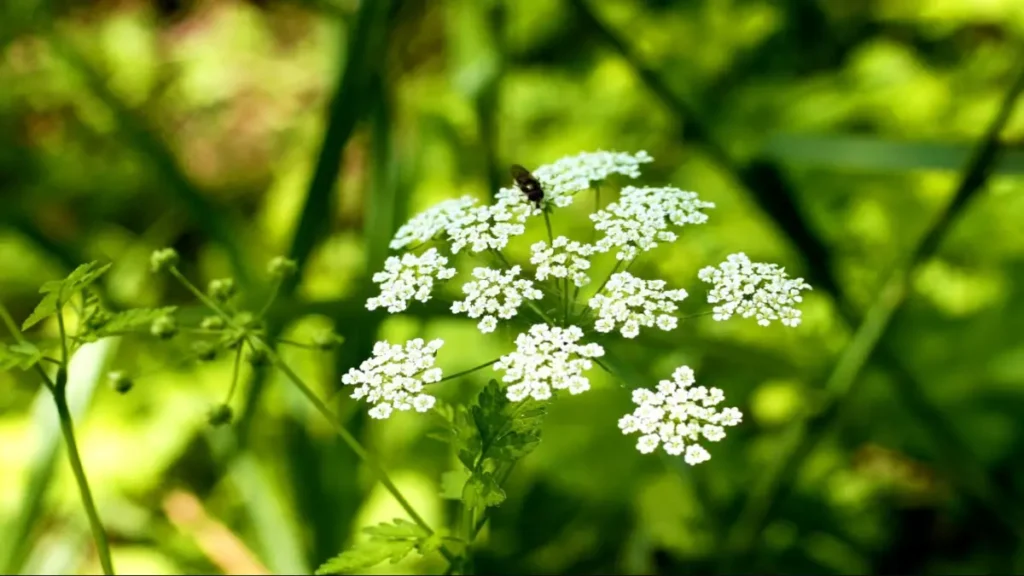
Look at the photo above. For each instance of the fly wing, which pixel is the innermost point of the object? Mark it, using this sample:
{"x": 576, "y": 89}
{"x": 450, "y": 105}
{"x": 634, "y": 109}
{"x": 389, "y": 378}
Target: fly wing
{"x": 519, "y": 173}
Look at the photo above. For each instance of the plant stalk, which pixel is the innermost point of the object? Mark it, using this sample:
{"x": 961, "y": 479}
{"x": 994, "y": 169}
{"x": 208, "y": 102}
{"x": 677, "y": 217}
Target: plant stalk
{"x": 68, "y": 430}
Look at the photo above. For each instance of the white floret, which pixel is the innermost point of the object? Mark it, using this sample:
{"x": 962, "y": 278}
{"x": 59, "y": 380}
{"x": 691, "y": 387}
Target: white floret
{"x": 629, "y": 303}
{"x": 677, "y": 415}
{"x": 394, "y": 377}
{"x": 644, "y": 217}
{"x": 431, "y": 222}
{"x": 753, "y": 289}
{"x": 408, "y": 277}
{"x": 547, "y": 358}
{"x": 495, "y": 294}
{"x": 563, "y": 259}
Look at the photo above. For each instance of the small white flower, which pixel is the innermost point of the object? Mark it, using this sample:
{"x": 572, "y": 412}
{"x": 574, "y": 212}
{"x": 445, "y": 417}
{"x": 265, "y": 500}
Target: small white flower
{"x": 408, "y": 277}
{"x": 631, "y": 302}
{"x": 643, "y": 217}
{"x": 753, "y": 289}
{"x": 677, "y": 415}
{"x": 546, "y": 358}
{"x": 484, "y": 228}
{"x": 431, "y": 222}
{"x": 566, "y": 176}
{"x": 563, "y": 259}
{"x": 495, "y": 294}
{"x": 394, "y": 377}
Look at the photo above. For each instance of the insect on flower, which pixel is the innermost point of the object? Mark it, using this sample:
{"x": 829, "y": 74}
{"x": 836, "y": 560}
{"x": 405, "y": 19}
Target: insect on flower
{"x": 527, "y": 184}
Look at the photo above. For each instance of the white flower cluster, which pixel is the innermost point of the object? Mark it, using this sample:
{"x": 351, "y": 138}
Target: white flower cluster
{"x": 643, "y": 216}
{"x": 563, "y": 259}
{"x": 677, "y": 415}
{"x": 431, "y": 222}
{"x": 756, "y": 289}
{"x": 484, "y": 228}
{"x": 568, "y": 175}
{"x": 408, "y": 277}
{"x": 632, "y": 302}
{"x": 495, "y": 294}
{"x": 546, "y": 358}
{"x": 393, "y": 378}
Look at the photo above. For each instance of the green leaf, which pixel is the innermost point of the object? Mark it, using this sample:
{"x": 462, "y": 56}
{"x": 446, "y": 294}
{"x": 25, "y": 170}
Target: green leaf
{"x": 508, "y": 431}
{"x": 430, "y": 544}
{"x": 22, "y": 355}
{"x": 399, "y": 529}
{"x": 453, "y": 482}
{"x": 482, "y": 490}
{"x": 133, "y": 319}
{"x": 367, "y": 554}
{"x": 392, "y": 540}
{"x": 59, "y": 292}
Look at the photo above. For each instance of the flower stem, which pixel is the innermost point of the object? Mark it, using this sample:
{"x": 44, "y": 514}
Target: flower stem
{"x": 9, "y": 321}
{"x": 68, "y": 430}
{"x": 318, "y": 404}
{"x": 547, "y": 222}
{"x": 234, "y": 375}
{"x": 469, "y": 371}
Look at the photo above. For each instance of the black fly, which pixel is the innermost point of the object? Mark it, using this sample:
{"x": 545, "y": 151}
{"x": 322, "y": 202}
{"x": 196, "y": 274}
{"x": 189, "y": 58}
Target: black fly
{"x": 527, "y": 184}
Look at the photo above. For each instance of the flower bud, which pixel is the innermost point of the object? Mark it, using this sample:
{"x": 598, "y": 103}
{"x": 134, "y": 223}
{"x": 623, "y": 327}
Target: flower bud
{"x": 163, "y": 259}
{"x": 204, "y": 351}
{"x": 164, "y": 327}
{"x": 212, "y": 323}
{"x": 219, "y": 415}
{"x": 221, "y": 290}
{"x": 120, "y": 381}
{"x": 280, "y": 267}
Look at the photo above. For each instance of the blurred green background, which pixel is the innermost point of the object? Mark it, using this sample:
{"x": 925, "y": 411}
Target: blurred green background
{"x": 837, "y": 138}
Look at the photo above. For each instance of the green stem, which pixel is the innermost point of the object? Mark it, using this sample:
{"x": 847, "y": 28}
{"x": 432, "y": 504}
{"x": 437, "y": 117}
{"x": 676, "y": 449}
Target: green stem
{"x": 469, "y": 371}
{"x": 270, "y": 300}
{"x": 9, "y": 321}
{"x": 63, "y": 334}
{"x": 234, "y": 375}
{"x": 68, "y": 429}
{"x": 320, "y": 407}
{"x": 551, "y": 236}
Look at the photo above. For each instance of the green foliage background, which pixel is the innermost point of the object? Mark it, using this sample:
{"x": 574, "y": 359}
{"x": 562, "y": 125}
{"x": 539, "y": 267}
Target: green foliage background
{"x": 856, "y": 143}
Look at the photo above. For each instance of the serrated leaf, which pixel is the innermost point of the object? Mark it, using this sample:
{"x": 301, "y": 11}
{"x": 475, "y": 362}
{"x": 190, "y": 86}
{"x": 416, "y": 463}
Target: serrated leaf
{"x": 132, "y": 320}
{"x": 507, "y": 430}
{"x": 22, "y": 355}
{"x": 367, "y": 554}
{"x": 482, "y": 490}
{"x": 398, "y": 529}
{"x": 468, "y": 458}
{"x": 60, "y": 291}
{"x": 453, "y": 482}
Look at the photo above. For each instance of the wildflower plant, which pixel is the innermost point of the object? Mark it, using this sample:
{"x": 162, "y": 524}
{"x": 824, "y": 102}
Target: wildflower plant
{"x": 564, "y": 311}
{"x": 566, "y": 326}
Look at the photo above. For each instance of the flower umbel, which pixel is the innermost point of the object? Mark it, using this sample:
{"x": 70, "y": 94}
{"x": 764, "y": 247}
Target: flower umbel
{"x": 632, "y": 302}
{"x": 546, "y": 358}
{"x": 568, "y": 175}
{"x": 483, "y": 228}
{"x": 495, "y": 294}
{"x": 409, "y": 277}
{"x": 431, "y": 222}
{"x": 677, "y": 415}
{"x": 756, "y": 289}
{"x": 563, "y": 259}
{"x": 643, "y": 216}
{"x": 394, "y": 377}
